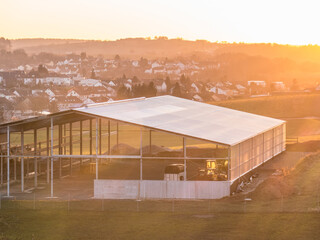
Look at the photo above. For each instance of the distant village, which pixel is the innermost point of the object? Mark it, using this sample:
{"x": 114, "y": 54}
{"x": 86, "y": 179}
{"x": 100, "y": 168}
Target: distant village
{"x": 77, "y": 81}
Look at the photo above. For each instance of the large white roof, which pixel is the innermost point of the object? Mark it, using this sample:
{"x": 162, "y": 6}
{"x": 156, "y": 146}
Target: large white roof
{"x": 186, "y": 117}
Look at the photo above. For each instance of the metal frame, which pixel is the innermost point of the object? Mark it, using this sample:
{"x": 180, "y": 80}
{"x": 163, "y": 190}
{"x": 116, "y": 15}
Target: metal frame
{"x": 51, "y": 157}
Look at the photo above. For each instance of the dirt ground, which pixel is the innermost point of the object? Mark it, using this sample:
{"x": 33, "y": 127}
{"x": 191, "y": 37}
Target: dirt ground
{"x": 79, "y": 185}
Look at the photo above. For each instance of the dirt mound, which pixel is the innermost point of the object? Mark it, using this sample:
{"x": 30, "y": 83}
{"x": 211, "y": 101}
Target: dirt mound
{"x": 305, "y": 163}
{"x": 287, "y": 184}
{"x": 155, "y": 149}
{"x": 274, "y": 187}
{"x": 124, "y": 149}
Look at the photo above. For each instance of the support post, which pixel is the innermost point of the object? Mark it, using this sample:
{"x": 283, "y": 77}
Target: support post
{"x": 90, "y": 136}
{"x": 141, "y": 177}
{"x": 273, "y": 143}
{"x": 239, "y": 145}
{"x": 184, "y": 159}
{"x": 51, "y": 156}
{"x": 81, "y": 141}
{"x": 263, "y": 153}
{"x": 64, "y": 139}
{"x": 100, "y": 136}
{"x": 70, "y": 146}
{"x": 35, "y": 158}
{"x": 48, "y": 152}
{"x": 1, "y": 181}
{"x": 150, "y": 141}
{"x": 141, "y": 147}
{"x": 117, "y": 136}
{"x": 97, "y": 146}
{"x": 60, "y": 137}
{"x": 8, "y": 161}
{"x": 229, "y": 163}
{"x": 15, "y": 168}
{"x": 22, "y": 161}
{"x": 109, "y": 138}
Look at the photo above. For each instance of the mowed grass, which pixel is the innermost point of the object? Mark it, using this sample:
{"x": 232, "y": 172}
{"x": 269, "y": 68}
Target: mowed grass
{"x": 293, "y": 217}
{"x": 284, "y": 107}
{"x": 292, "y": 106}
{"x": 154, "y": 225}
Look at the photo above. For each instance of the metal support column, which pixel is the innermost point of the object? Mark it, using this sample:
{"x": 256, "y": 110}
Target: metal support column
{"x": 141, "y": 177}
{"x": 60, "y": 147}
{"x": 90, "y": 136}
{"x": 51, "y": 156}
{"x": 35, "y": 158}
{"x": 70, "y": 147}
{"x": 150, "y": 141}
{"x": 81, "y": 142}
{"x": 100, "y": 136}
{"x": 263, "y": 153}
{"x": 48, "y": 152}
{"x": 117, "y": 136}
{"x": 184, "y": 159}
{"x": 64, "y": 139}
{"x": 22, "y": 161}
{"x": 239, "y": 167}
{"x": 109, "y": 138}
{"x": 8, "y": 161}
{"x": 15, "y": 168}
{"x": 97, "y": 148}
{"x": 229, "y": 163}
{"x": 1, "y": 181}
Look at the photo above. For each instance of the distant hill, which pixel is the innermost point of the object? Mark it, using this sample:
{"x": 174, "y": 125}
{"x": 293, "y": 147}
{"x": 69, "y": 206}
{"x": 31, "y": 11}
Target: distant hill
{"x": 163, "y": 47}
{"x": 127, "y": 48}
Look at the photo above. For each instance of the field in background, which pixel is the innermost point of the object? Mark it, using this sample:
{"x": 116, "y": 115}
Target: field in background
{"x": 300, "y": 111}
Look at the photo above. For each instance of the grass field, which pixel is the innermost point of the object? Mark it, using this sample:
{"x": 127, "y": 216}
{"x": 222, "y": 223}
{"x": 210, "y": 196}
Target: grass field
{"x": 129, "y": 225}
{"x": 267, "y": 216}
{"x": 292, "y": 106}
{"x": 295, "y": 109}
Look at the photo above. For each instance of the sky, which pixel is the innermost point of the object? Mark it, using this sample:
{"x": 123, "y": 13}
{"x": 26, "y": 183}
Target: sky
{"x": 281, "y": 21}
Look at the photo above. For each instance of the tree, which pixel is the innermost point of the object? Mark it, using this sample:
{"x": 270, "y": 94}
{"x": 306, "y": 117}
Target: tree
{"x": 53, "y": 107}
{"x": 42, "y": 71}
{"x": 83, "y": 56}
{"x": 135, "y": 79}
{"x": 168, "y": 83}
{"x": 93, "y": 74}
{"x": 123, "y": 92}
{"x": 151, "y": 90}
{"x": 117, "y": 58}
{"x": 143, "y": 62}
{"x": 5, "y": 44}
{"x": 185, "y": 81}
{"x": 176, "y": 91}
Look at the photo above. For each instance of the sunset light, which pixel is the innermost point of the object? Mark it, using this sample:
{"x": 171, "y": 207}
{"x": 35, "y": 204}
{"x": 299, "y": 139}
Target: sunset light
{"x": 159, "y": 119}
{"x": 285, "y": 22}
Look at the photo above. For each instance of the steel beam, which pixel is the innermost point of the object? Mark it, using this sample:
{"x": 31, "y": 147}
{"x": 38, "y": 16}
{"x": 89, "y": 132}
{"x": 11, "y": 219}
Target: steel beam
{"x": 22, "y": 161}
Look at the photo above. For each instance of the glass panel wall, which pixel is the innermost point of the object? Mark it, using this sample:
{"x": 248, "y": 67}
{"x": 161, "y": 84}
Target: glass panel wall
{"x": 253, "y": 152}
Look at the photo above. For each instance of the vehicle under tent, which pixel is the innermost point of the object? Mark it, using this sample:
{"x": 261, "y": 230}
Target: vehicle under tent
{"x": 145, "y": 148}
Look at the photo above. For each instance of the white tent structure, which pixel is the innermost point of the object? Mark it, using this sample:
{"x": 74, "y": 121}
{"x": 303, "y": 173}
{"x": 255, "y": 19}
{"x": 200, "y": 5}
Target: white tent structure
{"x": 182, "y": 131}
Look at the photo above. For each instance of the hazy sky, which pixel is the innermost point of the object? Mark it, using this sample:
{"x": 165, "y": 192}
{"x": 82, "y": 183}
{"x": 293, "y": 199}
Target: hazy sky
{"x": 281, "y": 21}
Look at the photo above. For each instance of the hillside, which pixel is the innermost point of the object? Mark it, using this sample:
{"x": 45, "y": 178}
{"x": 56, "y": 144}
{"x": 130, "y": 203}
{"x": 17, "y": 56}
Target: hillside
{"x": 162, "y": 47}
{"x": 290, "y": 106}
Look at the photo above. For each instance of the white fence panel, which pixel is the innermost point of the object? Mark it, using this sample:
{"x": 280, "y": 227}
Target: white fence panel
{"x": 150, "y": 189}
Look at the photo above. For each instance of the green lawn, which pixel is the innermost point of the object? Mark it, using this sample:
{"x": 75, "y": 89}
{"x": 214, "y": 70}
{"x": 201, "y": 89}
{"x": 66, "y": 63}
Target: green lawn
{"x": 54, "y": 225}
